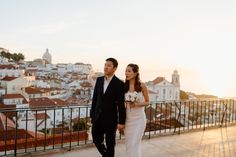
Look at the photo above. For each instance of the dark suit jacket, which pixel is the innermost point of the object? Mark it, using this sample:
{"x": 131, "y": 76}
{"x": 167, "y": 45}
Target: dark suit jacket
{"x": 108, "y": 106}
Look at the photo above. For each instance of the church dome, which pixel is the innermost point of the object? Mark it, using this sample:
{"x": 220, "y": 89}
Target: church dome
{"x": 47, "y": 56}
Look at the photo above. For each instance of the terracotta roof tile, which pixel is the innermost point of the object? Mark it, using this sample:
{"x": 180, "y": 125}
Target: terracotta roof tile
{"x": 41, "y": 102}
{"x": 60, "y": 102}
{"x": 15, "y": 96}
{"x": 11, "y": 134}
{"x": 6, "y": 123}
{"x": 3, "y": 106}
{"x": 7, "y": 66}
{"x": 12, "y": 96}
{"x": 41, "y": 116}
{"x": 8, "y": 78}
{"x": 33, "y": 90}
{"x": 158, "y": 80}
{"x": 86, "y": 84}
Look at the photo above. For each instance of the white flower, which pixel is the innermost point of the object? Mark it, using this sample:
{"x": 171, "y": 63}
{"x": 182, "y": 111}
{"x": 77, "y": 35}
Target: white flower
{"x": 131, "y": 96}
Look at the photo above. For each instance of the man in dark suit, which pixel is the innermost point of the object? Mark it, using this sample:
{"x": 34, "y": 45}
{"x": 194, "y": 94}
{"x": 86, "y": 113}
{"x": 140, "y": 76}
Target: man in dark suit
{"x": 108, "y": 109}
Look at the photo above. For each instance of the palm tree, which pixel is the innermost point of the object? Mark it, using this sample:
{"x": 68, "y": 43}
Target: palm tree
{"x": 16, "y": 57}
{"x": 21, "y": 56}
{"x": 5, "y": 55}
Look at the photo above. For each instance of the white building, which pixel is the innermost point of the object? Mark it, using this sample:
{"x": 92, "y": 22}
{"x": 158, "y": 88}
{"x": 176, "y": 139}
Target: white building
{"x": 15, "y": 84}
{"x": 15, "y": 99}
{"x": 2, "y": 91}
{"x": 162, "y": 90}
{"x": 80, "y": 68}
{"x": 10, "y": 70}
{"x": 3, "y": 60}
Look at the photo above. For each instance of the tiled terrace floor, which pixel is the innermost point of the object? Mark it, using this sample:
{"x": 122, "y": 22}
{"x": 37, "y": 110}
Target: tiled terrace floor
{"x": 219, "y": 142}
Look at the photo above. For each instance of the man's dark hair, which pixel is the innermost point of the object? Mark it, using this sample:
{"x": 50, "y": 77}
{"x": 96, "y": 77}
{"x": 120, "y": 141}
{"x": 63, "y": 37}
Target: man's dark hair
{"x": 114, "y": 61}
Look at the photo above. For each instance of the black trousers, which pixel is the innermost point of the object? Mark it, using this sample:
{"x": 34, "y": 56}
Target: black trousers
{"x": 101, "y": 131}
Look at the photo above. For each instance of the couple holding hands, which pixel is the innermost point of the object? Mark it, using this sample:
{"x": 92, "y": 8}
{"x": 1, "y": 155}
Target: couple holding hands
{"x": 118, "y": 105}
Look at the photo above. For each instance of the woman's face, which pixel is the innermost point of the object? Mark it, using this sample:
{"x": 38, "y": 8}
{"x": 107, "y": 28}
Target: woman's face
{"x": 129, "y": 73}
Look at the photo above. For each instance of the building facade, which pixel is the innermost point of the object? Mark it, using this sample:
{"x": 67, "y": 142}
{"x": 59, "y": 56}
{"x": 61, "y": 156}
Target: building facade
{"x": 162, "y": 90}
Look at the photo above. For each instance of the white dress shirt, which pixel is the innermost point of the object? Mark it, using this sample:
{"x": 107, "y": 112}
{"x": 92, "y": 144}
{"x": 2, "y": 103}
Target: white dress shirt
{"x": 107, "y": 80}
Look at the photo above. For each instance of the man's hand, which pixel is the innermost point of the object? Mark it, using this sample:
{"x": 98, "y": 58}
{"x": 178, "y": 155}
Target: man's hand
{"x": 120, "y": 127}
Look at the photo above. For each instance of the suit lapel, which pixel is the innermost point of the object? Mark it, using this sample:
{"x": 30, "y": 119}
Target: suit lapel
{"x": 110, "y": 84}
{"x": 102, "y": 85}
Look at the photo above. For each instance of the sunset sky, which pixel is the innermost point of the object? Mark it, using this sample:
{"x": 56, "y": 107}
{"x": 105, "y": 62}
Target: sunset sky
{"x": 195, "y": 37}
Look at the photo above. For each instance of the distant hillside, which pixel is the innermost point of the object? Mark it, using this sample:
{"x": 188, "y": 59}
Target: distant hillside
{"x": 202, "y": 96}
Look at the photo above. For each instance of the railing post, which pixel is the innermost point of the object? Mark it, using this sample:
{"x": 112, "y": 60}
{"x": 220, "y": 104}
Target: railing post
{"x": 149, "y": 136}
{"x": 15, "y": 148}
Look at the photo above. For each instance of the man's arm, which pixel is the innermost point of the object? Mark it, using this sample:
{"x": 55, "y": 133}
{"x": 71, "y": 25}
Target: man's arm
{"x": 94, "y": 100}
{"x": 121, "y": 104}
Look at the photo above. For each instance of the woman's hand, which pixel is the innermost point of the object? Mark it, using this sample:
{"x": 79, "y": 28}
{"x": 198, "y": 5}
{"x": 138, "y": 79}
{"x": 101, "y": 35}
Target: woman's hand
{"x": 132, "y": 104}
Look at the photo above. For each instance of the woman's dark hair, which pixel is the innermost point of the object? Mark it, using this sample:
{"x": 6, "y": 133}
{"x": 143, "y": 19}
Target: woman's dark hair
{"x": 114, "y": 62}
{"x": 137, "y": 84}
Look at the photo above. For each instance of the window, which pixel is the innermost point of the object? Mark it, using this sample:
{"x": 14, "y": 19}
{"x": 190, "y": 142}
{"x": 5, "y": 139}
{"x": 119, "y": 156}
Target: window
{"x": 58, "y": 113}
{"x": 164, "y": 93}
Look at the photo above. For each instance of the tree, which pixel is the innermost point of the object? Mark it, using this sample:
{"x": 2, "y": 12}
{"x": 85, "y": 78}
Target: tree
{"x": 183, "y": 95}
{"x": 3, "y": 54}
{"x": 81, "y": 124}
{"x": 21, "y": 56}
{"x": 6, "y": 55}
{"x": 16, "y": 57}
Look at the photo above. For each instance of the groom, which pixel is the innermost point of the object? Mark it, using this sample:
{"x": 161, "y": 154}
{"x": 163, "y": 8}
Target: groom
{"x": 108, "y": 109}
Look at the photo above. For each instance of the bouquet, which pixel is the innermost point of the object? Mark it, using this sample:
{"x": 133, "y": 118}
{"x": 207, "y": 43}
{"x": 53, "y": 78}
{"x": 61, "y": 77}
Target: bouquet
{"x": 131, "y": 97}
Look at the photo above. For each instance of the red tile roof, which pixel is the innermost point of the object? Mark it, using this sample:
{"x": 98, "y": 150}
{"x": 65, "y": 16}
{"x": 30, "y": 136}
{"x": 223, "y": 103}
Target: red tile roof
{"x": 12, "y": 96}
{"x": 33, "y": 90}
{"x": 7, "y": 66}
{"x": 8, "y": 78}
{"x": 41, "y": 102}
{"x": 15, "y": 96}
{"x": 86, "y": 84}
{"x": 6, "y": 123}
{"x": 158, "y": 80}
{"x": 60, "y": 102}
{"x": 41, "y": 116}
{"x": 11, "y": 134}
{"x": 3, "y": 106}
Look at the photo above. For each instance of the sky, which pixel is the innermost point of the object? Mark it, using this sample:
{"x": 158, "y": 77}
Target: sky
{"x": 197, "y": 38}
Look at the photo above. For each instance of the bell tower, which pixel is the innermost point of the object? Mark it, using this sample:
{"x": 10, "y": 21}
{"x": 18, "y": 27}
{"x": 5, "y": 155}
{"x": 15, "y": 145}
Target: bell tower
{"x": 175, "y": 78}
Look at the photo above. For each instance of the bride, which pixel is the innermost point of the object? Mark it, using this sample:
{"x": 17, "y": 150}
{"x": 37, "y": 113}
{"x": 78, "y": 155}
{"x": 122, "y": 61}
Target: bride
{"x": 136, "y": 97}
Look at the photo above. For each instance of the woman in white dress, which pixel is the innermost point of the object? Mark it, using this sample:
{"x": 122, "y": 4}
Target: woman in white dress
{"x": 136, "y": 97}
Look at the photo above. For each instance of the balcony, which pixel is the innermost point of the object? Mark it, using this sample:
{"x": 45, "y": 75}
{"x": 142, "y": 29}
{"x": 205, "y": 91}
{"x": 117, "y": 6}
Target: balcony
{"x": 42, "y": 131}
{"x": 216, "y": 142}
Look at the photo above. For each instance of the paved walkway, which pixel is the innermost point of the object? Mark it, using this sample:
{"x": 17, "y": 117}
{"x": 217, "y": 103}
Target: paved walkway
{"x": 220, "y": 142}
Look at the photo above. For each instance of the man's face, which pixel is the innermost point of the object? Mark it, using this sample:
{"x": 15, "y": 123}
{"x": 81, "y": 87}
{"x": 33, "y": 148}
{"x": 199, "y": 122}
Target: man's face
{"x": 109, "y": 69}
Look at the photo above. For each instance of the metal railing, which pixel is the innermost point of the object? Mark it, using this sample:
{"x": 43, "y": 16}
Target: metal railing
{"x": 42, "y": 129}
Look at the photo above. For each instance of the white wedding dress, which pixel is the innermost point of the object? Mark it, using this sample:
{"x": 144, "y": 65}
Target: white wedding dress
{"x": 134, "y": 128}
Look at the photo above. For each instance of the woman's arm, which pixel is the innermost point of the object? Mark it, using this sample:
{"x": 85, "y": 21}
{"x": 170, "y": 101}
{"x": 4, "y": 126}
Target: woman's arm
{"x": 145, "y": 95}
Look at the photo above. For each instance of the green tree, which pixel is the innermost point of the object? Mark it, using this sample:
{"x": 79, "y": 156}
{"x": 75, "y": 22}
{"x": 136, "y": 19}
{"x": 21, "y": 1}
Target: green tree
{"x": 16, "y": 57}
{"x": 21, "y": 56}
{"x": 81, "y": 124}
{"x": 6, "y": 55}
{"x": 183, "y": 95}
